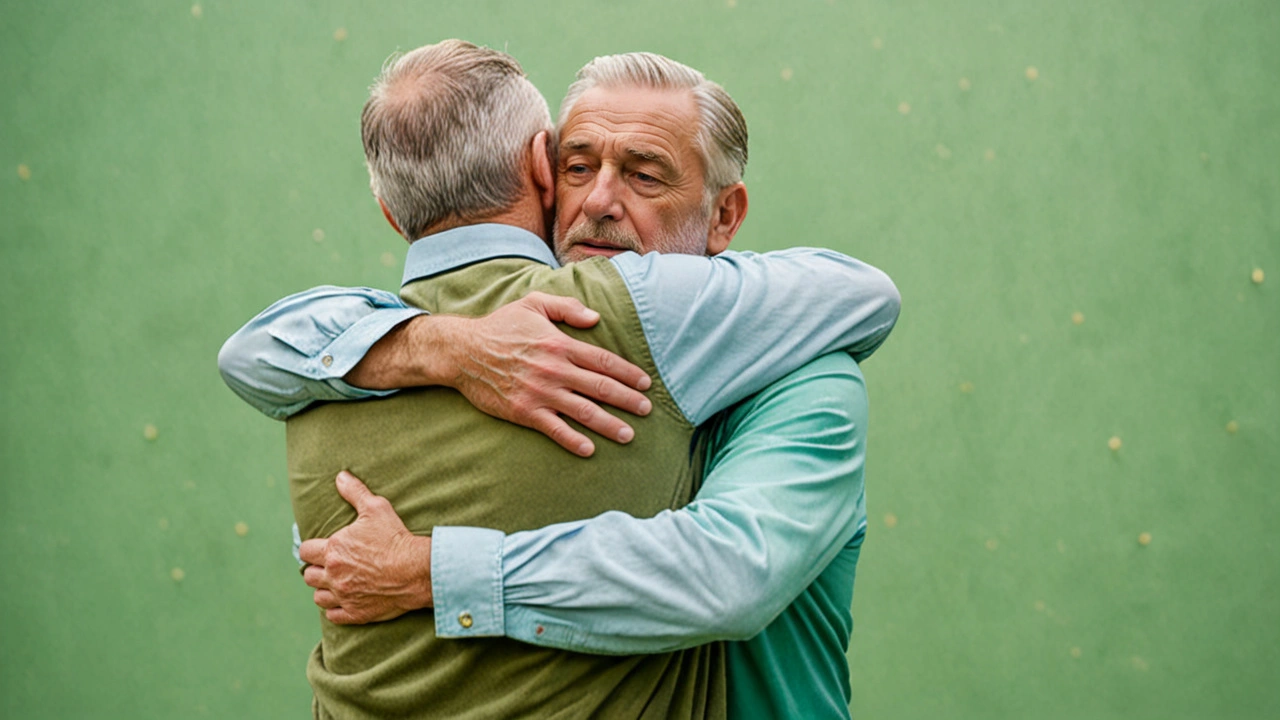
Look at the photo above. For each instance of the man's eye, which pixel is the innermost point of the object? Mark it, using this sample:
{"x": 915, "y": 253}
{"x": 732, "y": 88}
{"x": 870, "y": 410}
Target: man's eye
{"x": 577, "y": 169}
{"x": 646, "y": 179}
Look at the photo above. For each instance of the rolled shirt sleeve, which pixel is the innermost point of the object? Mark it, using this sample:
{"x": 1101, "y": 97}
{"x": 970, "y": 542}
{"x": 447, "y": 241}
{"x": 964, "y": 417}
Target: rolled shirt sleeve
{"x": 719, "y": 328}
{"x": 783, "y": 494}
{"x": 296, "y": 352}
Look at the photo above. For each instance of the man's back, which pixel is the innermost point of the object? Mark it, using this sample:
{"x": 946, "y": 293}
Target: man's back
{"x": 441, "y": 462}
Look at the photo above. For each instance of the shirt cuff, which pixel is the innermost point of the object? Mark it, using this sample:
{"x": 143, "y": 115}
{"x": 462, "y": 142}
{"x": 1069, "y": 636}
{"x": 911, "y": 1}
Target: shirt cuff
{"x": 466, "y": 582}
{"x": 348, "y": 349}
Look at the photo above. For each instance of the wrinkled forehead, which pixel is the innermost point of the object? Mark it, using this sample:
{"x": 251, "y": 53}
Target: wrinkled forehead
{"x": 635, "y": 121}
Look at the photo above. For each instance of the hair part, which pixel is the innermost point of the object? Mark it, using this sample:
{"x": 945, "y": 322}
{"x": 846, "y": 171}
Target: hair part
{"x": 722, "y": 130}
{"x": 446, "y": 134}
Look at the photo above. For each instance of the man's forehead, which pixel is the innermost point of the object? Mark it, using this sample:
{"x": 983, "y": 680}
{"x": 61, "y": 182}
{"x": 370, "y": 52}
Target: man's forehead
{"x": 642, "y": 120}
{"x": 632, "y": 109}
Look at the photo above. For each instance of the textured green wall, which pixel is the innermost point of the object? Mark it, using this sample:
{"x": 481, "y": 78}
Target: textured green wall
{"x": 167, "y": 170}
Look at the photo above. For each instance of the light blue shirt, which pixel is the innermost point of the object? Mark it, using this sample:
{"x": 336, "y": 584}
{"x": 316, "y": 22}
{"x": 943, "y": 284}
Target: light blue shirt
{"x": 776, "y": 507}
{"x": 765, "y": 555}
{"x": 719, "y": 328}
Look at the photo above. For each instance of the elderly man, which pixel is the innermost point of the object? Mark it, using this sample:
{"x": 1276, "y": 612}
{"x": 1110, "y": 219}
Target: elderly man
{"x": 641, "y": 168}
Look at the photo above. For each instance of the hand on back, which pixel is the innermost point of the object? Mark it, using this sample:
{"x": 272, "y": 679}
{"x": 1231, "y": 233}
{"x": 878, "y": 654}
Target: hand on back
{"x": 515, "y": 364}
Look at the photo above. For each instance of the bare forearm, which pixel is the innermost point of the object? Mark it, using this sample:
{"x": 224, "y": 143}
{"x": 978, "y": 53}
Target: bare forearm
{"x": 414, "y": 354}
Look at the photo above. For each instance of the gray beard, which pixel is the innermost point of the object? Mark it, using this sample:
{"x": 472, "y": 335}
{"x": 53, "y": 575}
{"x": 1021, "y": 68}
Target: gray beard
{"x": 690, "y": 237}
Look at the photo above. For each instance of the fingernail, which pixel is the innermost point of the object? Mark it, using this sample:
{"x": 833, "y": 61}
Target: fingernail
{"x": 625, "y": 434}
{"x": 645, "y": 406}
{"x": 644, "y": 383}
{"x": 344, "y": 476}
{"x": 585, "y": 449}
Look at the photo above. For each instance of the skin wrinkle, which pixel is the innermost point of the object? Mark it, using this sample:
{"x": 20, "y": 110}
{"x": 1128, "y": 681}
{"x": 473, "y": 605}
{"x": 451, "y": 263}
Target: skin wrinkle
{"x": 629, "y": 169}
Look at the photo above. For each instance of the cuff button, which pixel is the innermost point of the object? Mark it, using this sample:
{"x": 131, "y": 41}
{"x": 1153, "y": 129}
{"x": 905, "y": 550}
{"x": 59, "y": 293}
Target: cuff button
{"x": 465, "y": 620}
{"x": 327, "y": 360}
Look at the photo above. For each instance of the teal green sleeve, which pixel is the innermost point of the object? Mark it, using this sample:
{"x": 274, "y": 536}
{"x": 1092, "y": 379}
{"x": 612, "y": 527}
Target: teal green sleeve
{"x": 782, "y": 498}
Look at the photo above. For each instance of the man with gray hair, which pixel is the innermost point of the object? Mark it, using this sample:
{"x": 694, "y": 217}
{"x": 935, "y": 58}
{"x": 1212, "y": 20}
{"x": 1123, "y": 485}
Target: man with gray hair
{"x": 405, "y": 131}
{"x": 782, "y": 495}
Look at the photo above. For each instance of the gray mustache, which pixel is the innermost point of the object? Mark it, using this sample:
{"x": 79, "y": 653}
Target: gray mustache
{"x": 608, "y": 232}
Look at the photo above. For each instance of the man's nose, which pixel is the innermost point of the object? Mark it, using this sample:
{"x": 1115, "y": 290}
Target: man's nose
{"x": 605, "y": 200}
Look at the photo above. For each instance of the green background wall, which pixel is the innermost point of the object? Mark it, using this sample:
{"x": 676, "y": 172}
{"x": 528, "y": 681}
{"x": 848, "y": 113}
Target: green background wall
{"x": 167, "y": 170}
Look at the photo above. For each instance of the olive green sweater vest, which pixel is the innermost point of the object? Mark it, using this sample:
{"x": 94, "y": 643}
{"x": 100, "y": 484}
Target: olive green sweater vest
{"x": 442, "y": 462}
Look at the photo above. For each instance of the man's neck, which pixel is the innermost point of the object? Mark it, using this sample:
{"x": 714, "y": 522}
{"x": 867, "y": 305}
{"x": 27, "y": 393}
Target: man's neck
{"x": 524, "y": 215}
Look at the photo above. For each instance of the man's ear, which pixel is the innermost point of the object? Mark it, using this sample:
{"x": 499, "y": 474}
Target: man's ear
{"x": 544, "y": 177}
{"x": 727, "y": 214}
{"x": 387, "y": 214}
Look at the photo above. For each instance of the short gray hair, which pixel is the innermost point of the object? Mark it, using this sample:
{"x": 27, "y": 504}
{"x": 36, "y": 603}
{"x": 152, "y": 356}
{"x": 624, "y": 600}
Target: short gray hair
{"x": 446, "y": 131}
{"x": 722, "y": 132}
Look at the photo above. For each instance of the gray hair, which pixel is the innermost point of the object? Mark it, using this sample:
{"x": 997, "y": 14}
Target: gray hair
{"x": 722, "y": 132}
{"x": 446, "y": 131}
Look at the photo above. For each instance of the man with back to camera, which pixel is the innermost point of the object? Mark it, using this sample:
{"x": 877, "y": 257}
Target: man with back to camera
{"x": 608, "y": 181}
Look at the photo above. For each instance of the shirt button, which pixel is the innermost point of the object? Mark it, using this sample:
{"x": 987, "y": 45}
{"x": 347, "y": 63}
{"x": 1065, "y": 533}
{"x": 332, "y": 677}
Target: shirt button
{"x": 464, "y": 619}
{"x": 327, "y": 360}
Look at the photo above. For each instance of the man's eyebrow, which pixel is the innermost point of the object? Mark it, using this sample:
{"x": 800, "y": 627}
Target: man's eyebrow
{"x": 651, "y": 156}
{"x": 575, "y": 144}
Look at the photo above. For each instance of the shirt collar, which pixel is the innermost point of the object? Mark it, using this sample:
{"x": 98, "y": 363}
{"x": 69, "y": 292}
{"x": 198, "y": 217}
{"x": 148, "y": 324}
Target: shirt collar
{"x": 459, "y": 247}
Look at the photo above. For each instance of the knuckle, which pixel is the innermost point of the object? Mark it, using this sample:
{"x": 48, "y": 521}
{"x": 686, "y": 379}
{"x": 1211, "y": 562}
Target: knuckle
{"x": 544, "y": 424}
{"x": 584, "y": 410}
{"x": 521, "y": 407}
{"x": 555, "y": 373}
{"x": 560, "y": 432}
{"x": 602, "y": 388}
{"x": 554, "y": 343}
